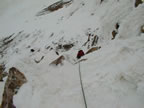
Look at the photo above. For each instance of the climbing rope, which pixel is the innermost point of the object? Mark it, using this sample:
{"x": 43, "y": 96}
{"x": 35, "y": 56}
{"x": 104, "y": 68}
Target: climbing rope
{"x": 81, "y": 83}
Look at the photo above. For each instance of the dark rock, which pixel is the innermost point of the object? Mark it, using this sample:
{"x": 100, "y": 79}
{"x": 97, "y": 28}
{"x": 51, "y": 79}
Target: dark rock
{"x": 7, "y": 38}
{"x": 2, "y": 68}
{"x": 142, "y": 29}
{"x": 114, "y": 33}
{"x": 54, "y": 7}
{"x": 58, "y": 61}
{"x": 64, "y": 47}
{"x": 1, "y": 80}
{"x": 32, "y": 50}
{"x": 95, "y": 40}
{"x": 93, "y": 49}
{"x": 51, "y": 48}
{"x": 117, "y": 26}
{"x": 68, "y": 46}
{"x": 14, "y": 81}
{"x": 137, "y": 2}
{"x": 59, "y": 47}
{"x": 57, "y": 53}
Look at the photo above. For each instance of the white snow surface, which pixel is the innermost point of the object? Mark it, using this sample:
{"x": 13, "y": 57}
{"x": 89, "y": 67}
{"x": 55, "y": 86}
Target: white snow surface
{"x": 113, "y": 77}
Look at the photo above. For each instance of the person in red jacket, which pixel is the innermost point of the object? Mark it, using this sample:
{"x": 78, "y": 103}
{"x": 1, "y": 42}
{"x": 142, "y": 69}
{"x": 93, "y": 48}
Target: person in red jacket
{"x": 80, "y": 54}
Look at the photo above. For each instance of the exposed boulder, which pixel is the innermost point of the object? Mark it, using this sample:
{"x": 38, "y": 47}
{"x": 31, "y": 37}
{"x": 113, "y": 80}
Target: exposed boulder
{"x": 58, "y": 61}
{"x": 32, "y": 50}
{"x": 54, "y": 7}
{"x": 57, "y": 53}
{"x": 2, "y": 73}
{"x": 117, "y": 26}
{"x": 59, "y": 47}
{"x": 142, "y": 29}
{"x": 92, "y": 38}
{"x": 114, "y": 33}
{"x": 8, "y": 39}
{"x": 64, "y": 47}
{"x": 137, "y": 2}
{"x": 5, "y": 43}
{"x": 14, "y": 81}
{"x": 95, "y": 40}
{"x": 68, "y": 46}
{"x": 93, "y": 49}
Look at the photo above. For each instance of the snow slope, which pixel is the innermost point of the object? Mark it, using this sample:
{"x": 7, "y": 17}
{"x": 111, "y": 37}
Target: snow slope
{"x": 113, "y": 76}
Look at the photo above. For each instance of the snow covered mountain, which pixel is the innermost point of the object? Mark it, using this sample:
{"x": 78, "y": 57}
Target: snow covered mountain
{"x": 34, "y": 33}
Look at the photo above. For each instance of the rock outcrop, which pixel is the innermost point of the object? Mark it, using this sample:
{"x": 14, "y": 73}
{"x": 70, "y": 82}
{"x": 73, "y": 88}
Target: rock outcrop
{"x": 14, "y": 81}
{"x": 142, "y": 29}
{"x": 58, "y": 61}
{"x": 137, "y": 2}
{"x": 93, "y": 49}
{"x": 114, "y": 33}
{"x": 54, "y": 7}
{"x": 64, "y": 47}
{"x": 2, "y": 73}
{"x": 117, "y": 26}
{"x": 95, "y": 40}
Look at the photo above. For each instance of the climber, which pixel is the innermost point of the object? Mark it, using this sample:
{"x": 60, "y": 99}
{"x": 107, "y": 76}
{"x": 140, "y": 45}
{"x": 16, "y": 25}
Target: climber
{"x": 80, "y": 54}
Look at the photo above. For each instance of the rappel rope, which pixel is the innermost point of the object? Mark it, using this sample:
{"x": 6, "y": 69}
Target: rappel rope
{"x": 83, "y": 93}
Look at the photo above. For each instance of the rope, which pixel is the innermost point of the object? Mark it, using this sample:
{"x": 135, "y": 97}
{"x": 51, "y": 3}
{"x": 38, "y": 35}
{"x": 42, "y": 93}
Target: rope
{"x": 82, "y": 87}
